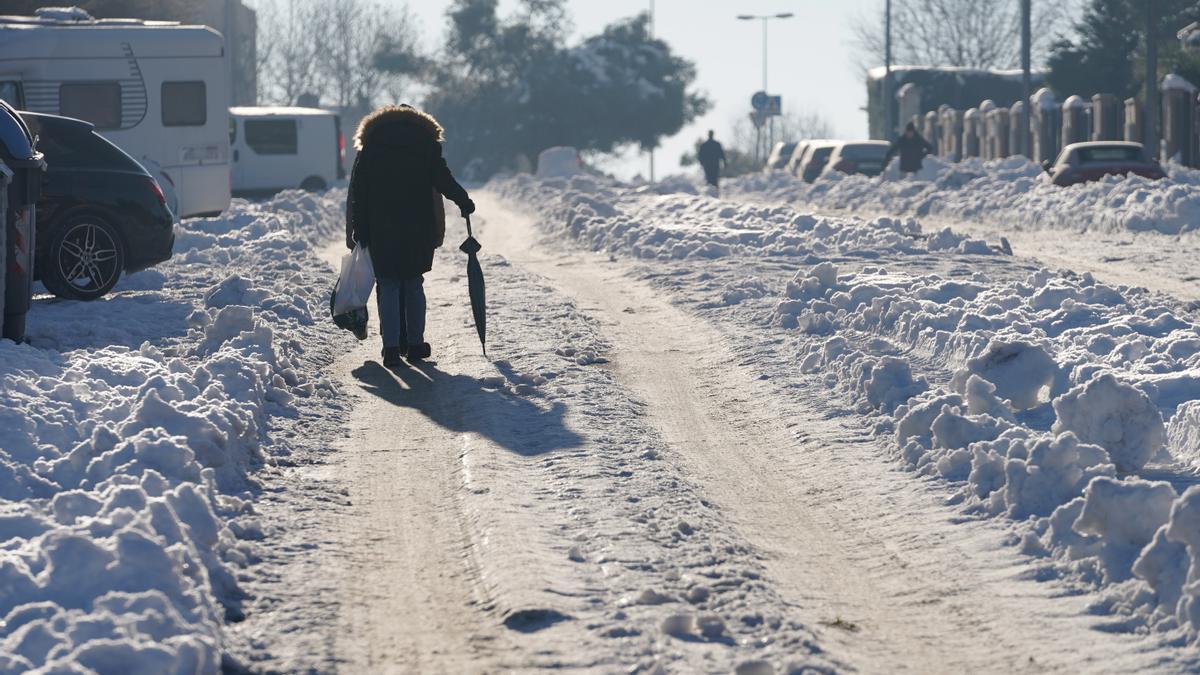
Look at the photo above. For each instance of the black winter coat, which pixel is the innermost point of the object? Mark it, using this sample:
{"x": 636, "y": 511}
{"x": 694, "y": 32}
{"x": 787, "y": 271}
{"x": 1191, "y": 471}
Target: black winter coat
{"x": 711, "y": 154}
{"x": 912, "y": 151}
{"x": 391, "y": 205}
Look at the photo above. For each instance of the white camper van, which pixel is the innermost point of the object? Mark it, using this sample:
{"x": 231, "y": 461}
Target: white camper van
{"x": 280, "y": 148}
{"x": 157, "y": 89}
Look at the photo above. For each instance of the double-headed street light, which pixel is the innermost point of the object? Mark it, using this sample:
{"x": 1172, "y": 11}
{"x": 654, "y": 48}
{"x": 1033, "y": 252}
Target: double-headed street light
{"x": 766, "y": 20}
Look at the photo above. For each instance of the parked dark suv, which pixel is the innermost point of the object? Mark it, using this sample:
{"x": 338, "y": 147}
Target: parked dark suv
{"x": 100, "y": 213}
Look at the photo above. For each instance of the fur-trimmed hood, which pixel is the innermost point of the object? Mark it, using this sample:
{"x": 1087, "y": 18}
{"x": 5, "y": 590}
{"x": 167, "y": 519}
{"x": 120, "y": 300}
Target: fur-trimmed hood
{"x": 397, "y": 114}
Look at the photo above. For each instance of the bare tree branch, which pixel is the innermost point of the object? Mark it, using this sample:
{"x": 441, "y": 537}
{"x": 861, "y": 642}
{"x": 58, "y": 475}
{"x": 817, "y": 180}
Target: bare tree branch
{"x": 962, "y": 33}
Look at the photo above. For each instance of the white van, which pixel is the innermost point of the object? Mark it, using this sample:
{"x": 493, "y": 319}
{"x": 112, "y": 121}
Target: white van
{"x": 280, "y": 148}
{"x": 159, "y": 90}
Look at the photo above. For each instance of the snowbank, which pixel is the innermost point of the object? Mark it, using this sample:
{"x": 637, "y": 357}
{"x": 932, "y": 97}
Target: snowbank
{"x": 127, "y": 430}
{"x": 560, "y": 162}
{"x": 1041, "y": 396}
{"x": 1011, "y": 192}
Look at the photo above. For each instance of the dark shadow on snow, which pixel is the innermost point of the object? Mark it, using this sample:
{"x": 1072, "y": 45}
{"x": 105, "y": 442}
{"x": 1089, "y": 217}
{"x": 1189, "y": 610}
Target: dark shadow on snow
{"x": 533, "y": 620}
{"x": 461, "y": 403}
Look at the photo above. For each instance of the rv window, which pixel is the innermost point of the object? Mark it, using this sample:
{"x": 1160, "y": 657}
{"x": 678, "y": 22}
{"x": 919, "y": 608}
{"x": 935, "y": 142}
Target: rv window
{"x": 184, "y": 104}
{"x": 271, "y": 137}
{"x": 10, "y": 92}
{"x": 95, "y": 102}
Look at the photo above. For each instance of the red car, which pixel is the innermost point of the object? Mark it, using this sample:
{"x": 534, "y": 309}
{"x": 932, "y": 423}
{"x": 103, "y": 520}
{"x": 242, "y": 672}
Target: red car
{"x": 1084, "y": 162}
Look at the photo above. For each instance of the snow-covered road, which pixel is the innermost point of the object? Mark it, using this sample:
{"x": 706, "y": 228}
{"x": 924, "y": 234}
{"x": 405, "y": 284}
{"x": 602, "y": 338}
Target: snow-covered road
{"x": 645, "y": 479}
{"x": 1158, "y": 262}
{"x": 709, "y": 436}
{"x": 856, "y": 549}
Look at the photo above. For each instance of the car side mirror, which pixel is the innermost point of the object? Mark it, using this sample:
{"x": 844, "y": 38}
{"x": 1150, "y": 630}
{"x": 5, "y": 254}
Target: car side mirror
{"x": 1046, "y": 165}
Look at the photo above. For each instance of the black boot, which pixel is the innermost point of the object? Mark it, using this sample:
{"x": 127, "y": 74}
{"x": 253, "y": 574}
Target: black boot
{"x": 419, "y": 352}
{"x": 392, "y": 357}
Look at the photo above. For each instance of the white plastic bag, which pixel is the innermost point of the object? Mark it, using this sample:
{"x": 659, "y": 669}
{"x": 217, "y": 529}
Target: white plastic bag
{"x": 355, "y": 283}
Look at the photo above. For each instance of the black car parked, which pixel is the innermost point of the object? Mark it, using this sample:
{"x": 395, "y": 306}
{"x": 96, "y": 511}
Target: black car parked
{"x": 100, "y": 213}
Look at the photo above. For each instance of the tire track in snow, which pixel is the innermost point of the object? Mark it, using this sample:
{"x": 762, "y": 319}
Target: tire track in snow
{"x": 517, "y": 515}
{"x": 857, "y": 545}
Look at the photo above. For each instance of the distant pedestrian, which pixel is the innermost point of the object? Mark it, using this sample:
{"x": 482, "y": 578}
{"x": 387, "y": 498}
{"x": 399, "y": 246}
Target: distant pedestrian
{"x": 712, "y": 158}
{"x": 912, "y": 148}
{"x": 395, "y": 210}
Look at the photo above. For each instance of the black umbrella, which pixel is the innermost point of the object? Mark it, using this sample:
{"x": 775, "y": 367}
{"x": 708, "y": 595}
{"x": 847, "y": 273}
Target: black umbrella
{"x": 475, "y": 283}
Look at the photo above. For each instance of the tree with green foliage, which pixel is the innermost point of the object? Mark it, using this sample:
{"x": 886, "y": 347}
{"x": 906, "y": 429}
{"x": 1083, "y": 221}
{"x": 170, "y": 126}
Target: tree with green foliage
{"x": 1108, "y": 51}
{"x": 509, "y": 87}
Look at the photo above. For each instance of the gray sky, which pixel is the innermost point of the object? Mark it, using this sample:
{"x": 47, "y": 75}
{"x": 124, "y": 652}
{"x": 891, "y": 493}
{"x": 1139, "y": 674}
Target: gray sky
{"x": 810, "y": 59}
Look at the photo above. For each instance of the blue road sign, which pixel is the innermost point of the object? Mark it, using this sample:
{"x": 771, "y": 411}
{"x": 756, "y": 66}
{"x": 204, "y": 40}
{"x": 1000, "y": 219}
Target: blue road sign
{"x": 760, "y": 101}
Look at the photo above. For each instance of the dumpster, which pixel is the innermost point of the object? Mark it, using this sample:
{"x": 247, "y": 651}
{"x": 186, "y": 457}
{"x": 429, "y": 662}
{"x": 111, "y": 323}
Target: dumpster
{"x": 28, "y": 170}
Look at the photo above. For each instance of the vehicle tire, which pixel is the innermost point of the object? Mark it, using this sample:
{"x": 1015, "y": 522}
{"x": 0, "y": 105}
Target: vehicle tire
{"x": 83, "y": 259}
{"x": 313, "y": 184}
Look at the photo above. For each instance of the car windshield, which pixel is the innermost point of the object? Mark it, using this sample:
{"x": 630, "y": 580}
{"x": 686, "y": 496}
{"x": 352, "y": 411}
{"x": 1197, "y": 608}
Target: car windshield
{"x": 1110, "y": 153}
{"x": 864, "y": 151}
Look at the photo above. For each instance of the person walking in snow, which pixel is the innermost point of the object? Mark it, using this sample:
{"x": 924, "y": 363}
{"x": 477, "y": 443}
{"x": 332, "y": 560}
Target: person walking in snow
{"x": 395, "y": 210}
{"x": 712, "y": 157}
{"x": 912, "y": 148}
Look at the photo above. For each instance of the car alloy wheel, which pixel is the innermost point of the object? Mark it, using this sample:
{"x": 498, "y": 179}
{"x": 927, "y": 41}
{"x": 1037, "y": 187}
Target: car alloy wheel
{"x": 85, "y": 259}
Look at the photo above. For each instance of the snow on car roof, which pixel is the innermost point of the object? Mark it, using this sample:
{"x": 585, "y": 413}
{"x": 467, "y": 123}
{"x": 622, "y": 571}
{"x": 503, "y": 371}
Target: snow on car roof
{"x": 276, "y": 111}
{"x": 1103, "y": 144}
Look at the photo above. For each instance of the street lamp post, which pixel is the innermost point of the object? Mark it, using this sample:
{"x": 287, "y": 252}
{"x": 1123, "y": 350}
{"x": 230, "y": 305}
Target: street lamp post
{"x": 651, "y": 37}
{"x": 1153, "y": 114}
{"x": 766, "y": 19}
{"x": 1026, "y": 78}
{"x": 888, "y": 102}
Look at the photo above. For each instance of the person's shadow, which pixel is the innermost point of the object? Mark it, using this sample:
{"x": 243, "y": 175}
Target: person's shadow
{"x": 461, "y": 403}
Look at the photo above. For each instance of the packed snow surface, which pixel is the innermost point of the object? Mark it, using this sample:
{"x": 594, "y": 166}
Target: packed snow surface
{"x": 1050, "y": 399}
{"x": 129, "y": 428}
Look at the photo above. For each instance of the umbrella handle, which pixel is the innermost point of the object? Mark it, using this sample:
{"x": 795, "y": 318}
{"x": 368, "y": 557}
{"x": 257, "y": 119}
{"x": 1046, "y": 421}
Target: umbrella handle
{"x": 469, "y": 233}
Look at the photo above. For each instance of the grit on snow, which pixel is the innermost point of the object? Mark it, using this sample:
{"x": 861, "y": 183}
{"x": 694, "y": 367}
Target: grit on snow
{"x": 130, "y": 428}
{"x": 573, "y": 508}
{"x": 1064, "y": 404}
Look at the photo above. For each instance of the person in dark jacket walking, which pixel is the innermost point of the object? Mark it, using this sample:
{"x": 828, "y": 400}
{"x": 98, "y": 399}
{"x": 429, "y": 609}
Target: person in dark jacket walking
{"x": 912, "y": 148}
{"x": 711, "y": 156}
{"x": 395, "y": 195}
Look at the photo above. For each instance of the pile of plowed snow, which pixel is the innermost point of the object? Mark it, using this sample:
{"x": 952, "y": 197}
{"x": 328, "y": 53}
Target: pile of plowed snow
{"x": 1013, "y": 192}
{"x": 127, "y": 430}
{"x": 1043, "y": 397}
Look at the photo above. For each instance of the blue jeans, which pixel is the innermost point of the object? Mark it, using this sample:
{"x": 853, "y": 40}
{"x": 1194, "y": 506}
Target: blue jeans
{"x": 401, "y": 310}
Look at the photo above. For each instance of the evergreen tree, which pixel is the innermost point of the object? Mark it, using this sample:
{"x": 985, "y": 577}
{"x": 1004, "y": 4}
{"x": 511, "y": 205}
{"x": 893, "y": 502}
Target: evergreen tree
{"x": 510, "y": 87}
{"x": 1108, "y": 52}
{"x": 1101, "y": 59}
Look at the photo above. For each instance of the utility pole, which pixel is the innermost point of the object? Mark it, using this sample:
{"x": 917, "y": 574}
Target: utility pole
{"x": 770, "y": 139}
{"x": 651, "y": 37}
{"x": 1026, "y": 76}
{"x": 888, "y": 127}
{"x": 1152, "y": 96}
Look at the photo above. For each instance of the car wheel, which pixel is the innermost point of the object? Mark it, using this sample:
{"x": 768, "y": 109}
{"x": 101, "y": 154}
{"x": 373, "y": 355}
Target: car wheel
{"x": 83, "y": 259}
{"x": 313, "y": 184}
